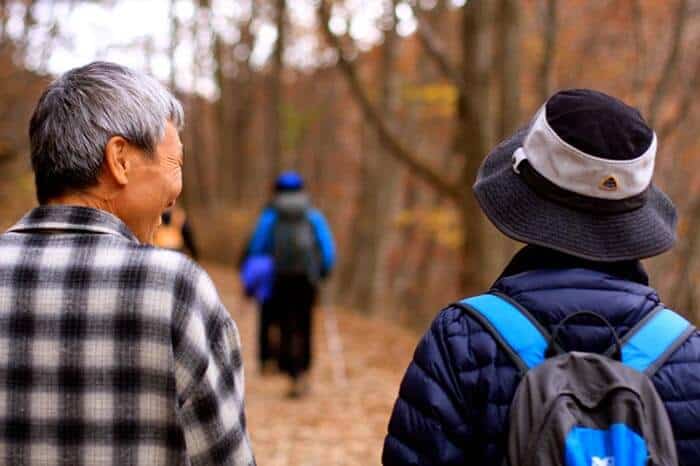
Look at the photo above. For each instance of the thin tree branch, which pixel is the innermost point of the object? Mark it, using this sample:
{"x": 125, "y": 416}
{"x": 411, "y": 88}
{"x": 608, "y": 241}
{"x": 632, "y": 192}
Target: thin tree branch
{"x": 392, "y": 143}
{"x": 436, "y": 52}
{"x": 669, "y": 68}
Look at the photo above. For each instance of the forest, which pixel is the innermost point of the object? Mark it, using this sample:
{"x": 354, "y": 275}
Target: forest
{"x": 387, "y": 107}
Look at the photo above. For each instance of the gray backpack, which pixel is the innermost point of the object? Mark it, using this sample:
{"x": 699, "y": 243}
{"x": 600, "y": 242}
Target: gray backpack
{"x": 584, "y": 409}
{"x": 295, "y": 248}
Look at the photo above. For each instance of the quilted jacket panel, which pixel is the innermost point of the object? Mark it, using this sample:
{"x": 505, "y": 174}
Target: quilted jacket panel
{"x": 453, "y": 402}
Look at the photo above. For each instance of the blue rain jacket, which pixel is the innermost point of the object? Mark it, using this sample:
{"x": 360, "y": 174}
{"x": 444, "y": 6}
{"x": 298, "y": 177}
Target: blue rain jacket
{"x": 452, "y": 407}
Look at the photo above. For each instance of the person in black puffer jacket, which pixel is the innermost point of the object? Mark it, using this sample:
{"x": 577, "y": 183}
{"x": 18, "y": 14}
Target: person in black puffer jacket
{"x": 576, "y": 186}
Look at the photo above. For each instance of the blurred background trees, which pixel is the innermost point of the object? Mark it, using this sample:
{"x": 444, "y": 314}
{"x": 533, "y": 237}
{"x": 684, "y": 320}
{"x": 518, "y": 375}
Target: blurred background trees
{"x": 387, "y": 107}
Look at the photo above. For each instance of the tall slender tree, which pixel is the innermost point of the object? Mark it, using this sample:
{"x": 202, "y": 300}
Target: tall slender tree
{"x": 274, "y": 127}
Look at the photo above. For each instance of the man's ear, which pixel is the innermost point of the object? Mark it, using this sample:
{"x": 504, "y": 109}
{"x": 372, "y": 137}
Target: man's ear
{"x": 116, "y": 162}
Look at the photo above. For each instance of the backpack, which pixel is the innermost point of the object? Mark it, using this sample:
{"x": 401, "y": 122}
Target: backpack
{"x": 295, "y": 250}
{"x": 584, "y": 409}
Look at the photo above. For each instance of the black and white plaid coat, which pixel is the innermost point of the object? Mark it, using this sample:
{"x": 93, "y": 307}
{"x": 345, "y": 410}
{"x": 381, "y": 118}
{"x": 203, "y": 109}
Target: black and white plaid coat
{"x": 112, "y": 352}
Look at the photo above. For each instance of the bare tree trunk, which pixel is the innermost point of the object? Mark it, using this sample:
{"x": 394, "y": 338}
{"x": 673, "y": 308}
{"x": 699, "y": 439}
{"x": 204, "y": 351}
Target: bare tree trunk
{"x": 637, "y": 14}
{"x": 474, "y": 139}
{"x": 201, "y": 166}
{"x": 400, "y": 280}
{"x": 328, "y": 128}
{"x": 358, "y": 238}
{"x": 241, "y": 134}
{"x": 222, "y": 53}
{"x": 417, "y": 246}
{"x": 549, "y": 49}
{"x": 508, "y": 66}
{"x": 370, "y": 221}
{"x": 688, "y": 96}
{"x": 420, "y": 299}
{"x": 242, "y": 117}
{"x": 172, "y": 45}
{"x": 423, "y": 246}
{"x": 275, "y": 89}
{"x": 672, "y": 60}
{"x": 191, "y": 186}
{"x": 192, "y": 190}
{"x": 4, "y": 17}
{"x": 684, "y": 289}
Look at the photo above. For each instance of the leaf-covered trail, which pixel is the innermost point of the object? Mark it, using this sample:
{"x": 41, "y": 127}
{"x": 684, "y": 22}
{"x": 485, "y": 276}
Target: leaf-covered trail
{"x": 333, "y": 425}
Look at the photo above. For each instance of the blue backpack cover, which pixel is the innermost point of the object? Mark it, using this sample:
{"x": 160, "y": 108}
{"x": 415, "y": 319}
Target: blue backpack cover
{"x": 584, "y": 409}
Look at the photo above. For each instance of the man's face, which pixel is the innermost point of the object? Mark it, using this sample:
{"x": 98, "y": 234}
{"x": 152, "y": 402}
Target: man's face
{"x": 154, "y": 185}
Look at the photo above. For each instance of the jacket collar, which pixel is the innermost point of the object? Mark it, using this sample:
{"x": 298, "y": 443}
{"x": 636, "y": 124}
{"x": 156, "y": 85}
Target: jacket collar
{"x": 538, "y": 258}
{"x": 72, "y": 218}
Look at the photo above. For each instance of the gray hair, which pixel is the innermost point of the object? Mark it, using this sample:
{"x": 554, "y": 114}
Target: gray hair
{"x": 78, "y": 114}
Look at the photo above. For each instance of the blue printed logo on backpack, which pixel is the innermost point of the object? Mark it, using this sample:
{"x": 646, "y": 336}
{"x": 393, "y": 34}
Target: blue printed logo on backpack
{"x": 584, "y": 409}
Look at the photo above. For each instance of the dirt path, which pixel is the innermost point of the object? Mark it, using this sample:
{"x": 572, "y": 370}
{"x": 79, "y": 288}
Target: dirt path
{"x": 333, "y": 426}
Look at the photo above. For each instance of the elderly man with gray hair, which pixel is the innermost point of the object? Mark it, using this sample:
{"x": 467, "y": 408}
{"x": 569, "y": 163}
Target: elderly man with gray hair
{"x": 112, "y": 352}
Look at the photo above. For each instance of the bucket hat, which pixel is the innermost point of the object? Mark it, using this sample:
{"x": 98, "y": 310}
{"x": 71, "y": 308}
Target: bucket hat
{"x": 578, "y": 179}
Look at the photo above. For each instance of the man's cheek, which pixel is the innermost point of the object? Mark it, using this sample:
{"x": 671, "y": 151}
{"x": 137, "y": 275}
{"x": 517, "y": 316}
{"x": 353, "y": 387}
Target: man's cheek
{"x": 177, "y": 187}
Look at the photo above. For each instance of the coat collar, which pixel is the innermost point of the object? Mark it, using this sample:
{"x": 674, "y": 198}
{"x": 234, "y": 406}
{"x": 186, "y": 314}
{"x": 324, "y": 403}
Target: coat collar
{"x": 73, "y": 218}
{"x": 537, "y": 258}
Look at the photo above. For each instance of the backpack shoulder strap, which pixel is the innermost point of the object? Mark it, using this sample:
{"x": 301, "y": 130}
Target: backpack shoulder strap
{"x": 522, "y": 337}
{"x": 648, "y": 345}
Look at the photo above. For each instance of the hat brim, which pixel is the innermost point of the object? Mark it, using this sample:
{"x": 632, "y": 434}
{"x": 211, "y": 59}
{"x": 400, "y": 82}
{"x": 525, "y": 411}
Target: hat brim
{"x": 521, "y": 214}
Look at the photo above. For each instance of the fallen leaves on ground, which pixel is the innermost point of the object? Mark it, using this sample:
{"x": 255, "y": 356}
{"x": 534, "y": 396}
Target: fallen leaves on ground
{"x": 334, "y": 425}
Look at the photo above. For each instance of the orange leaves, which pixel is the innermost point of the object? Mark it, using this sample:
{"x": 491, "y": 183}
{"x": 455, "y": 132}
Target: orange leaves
{"x": 441, "y": 223}
{"x": 437, "y": 99}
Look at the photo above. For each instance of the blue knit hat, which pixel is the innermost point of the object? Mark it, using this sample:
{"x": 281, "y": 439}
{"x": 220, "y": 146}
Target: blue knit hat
{"x": 289, "y": 181}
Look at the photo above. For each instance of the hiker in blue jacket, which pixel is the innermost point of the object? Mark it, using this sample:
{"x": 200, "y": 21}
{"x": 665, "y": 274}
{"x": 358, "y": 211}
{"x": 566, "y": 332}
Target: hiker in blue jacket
{"x": 576, "y": 186}
{"x": 299, "y": 242}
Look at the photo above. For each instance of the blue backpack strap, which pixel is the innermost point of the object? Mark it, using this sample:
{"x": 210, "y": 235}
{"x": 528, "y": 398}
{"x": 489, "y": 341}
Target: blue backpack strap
{"x": 523, "y": 338}
{"x": 648, "y": 345}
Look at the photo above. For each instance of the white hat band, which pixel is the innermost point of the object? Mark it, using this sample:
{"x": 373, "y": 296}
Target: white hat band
{"x": 581, "y": 173}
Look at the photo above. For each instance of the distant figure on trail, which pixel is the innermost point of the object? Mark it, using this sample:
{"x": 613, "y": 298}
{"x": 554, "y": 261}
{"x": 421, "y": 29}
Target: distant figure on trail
{"x": 605, "y": 374}
{"x": 290, "y": 252}
{"x": 112, "y": 351}
{"x": 175, "y": 232}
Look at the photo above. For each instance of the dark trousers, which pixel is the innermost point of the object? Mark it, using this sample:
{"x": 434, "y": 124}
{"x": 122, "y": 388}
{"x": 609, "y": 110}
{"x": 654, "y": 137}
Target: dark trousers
{"x": 268, "y": 344}
{"x": 292, "y": 302}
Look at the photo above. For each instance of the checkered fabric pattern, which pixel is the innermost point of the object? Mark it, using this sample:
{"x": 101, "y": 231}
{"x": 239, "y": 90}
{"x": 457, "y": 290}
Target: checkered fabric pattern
{"x": 112, "y": 352}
